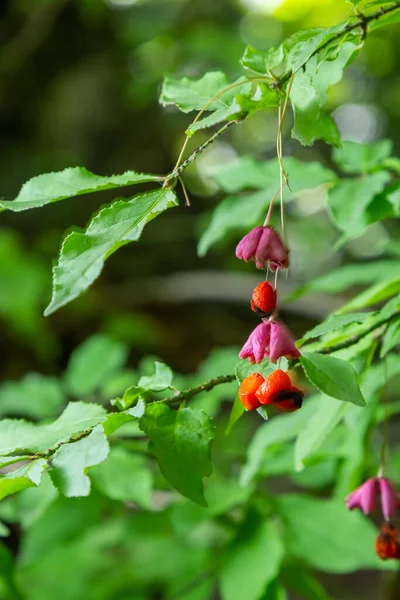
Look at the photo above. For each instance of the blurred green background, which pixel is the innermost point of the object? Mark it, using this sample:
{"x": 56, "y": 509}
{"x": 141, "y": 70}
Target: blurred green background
{"x": 79, "y": 82}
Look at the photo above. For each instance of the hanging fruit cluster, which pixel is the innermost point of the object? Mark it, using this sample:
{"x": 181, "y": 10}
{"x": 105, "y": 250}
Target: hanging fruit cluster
{"x": 270, "y": 339}
{"x": 373, "y": 492}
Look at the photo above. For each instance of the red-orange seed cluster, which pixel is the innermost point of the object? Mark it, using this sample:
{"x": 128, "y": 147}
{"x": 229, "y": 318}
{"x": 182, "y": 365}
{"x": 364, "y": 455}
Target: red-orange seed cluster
{"x": 387, "y": 544}
{"x": 276, "y": 389}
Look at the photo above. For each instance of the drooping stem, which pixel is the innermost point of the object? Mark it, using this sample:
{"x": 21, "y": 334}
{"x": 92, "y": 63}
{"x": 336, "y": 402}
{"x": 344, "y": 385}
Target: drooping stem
{"x": 178, "y": 170}
{"x": 385, "y": 426}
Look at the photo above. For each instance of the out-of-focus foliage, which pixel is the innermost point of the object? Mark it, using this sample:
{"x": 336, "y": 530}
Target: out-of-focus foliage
{"x": 236, "y": 507}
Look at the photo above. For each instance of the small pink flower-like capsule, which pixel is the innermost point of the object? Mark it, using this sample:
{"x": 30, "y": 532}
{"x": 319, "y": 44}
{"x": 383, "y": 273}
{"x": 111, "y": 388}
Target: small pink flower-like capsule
{"x": 365, "y": 496}
{"x": 263, "y": 245}
{"x": 389, "y": 500}
{"x": 281, "y": 343}
{"x": 257, "y": 344}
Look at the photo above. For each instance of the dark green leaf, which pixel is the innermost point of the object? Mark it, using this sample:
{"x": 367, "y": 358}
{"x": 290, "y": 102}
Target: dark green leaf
{"x": 180, "y": 440}
{"x": 353, "y": 157}
{"x": 332, "y": 323}
{"x": 349, "y": 199}
{"x": 332, "y": 376}
{"x": 22, "y": 435}
{"x": 310, "y": 522}
{"x": 51, "y": 187}
{"x": 83, "y": 375}
{"x": 161, "y": 380}
{"x": 303, "y": 582}
{"x": 27, "y": 476}
{"x": 252, "y": 561}
{"x": 83, "y": 254}
{"x": 4, "y": 531}
{"x": 70, "y": 461}
{"x": 124, "y": 476}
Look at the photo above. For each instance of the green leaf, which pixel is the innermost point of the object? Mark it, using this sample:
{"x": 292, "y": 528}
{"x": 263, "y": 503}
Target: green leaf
{"x": 180, "y": 440}
{"x": 22, "y": 435}
{"x": 231, "y": 214}
{"x": 243, "y": 104}
{"x": 4, "y": 530}
{"x": 243, "y": 369}
{"x": 353, "y": 157}
{"x": 188, "y": 94}
{"x": 302, "y": 51}
{"x": 83, "y": 254}
{"x": 391, "y": 338}
{"x": 310, "y": 122}
{"x": 161, "y": 380}
{"x": 133, "y": 396}
{"x": 249, "y": 173}
{"x": 328, "y": 72}
{"x": 51, "y": 187}
{"x": 83, "y": 375}
{"x": 32, "y": 503}
{"x": 303, "y": 583}
{"x": 240, "y": 213}
{"x": 349, "y": 216}
{"x": 324, "y": 420}
{"x": 34, "y": 396}
{"x": 116, "y": 420}
{"x": 237, "y": 411}
{"x": 309, "y": 522}
{"x": 281, "y": 429}
{"x": 27, "y": 476}
{"x": 377, "y": 293}
{"x": 262, "y": 62}
{"x": 252, "y": 560}
{"x": 70, "y": 461}
{"x": 347, "y": 276}
{"x": 332, "y": 376}
{"x": 332, "y": 323}
{"x": 389, "y": 19}
{"x": 124, "y": 476}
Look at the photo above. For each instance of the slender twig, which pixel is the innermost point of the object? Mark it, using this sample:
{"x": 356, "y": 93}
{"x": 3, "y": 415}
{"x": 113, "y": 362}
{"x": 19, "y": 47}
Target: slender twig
{"x": 175, "y": 174}
{"x": 203, "y": 387}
